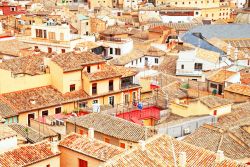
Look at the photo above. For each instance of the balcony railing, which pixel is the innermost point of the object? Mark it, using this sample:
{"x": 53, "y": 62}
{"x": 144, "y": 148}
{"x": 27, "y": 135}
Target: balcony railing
{"x": 129, "y": 85}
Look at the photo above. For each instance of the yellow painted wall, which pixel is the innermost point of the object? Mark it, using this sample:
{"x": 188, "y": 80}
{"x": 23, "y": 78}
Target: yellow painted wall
{"x": 56, "y": 73}
{"x": 100, "y": 3}
{"x": 11, "y": 84}
{"x": 72, "y": 78}
{"x": 53, "y": 162}
{"x": 197, "y": 108}
{"x": 71, "y": 158}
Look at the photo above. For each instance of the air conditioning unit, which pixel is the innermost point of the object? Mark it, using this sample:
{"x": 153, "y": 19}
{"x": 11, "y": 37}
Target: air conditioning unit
{"x": 187, "y": 131}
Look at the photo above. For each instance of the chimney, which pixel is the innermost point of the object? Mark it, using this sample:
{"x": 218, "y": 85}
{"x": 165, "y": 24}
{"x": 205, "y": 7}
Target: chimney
{"x": 54, "y": 147}
{"x": 229, "y": 47}
{"x": 182, "y": 159}
{"x": 91, "y": 133}
{"x": 219, "y": 156}
{"x": 236, "y": 52}
{"x": 77, "y": 50}
{"x": 46, "y": 61}
{"x": 142, "y": 145}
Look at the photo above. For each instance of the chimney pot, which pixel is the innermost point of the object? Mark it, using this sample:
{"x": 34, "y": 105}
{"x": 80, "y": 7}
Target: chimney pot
{"x": 54, "y": 147}
{"x": 182, "y": 159}
{"x": 142, "y": 145}
{"x": 91, "y": 133}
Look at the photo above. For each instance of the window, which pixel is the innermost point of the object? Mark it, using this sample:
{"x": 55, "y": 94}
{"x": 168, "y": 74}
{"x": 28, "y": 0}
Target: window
{"x": 83, "y": 163}
{"x": 72, "y": 87}
{"x": 156, "y": 60}
{"x": 111, "y": 85}
{"x": 88, "y": 69}
{"x": 122, "y": 145}
{"x": 112, "y": 100}
{"x": 111, "y": 51}
{"x": 81, "y": 131}
{"x": 134, "y": 95}
{"x": 117, "y": 51}
{"x": 215, "y": 112}
{"x": 45, "y": 113}
{"x": 94, "y": 88}
{"x": 62, "y": 36}
{"x": 82, "y": 104}
{"x": 107, "y": 140}
{"x": 87, "y": 23}
{"x": 12, "y": 9}
{"x": 212, "y": 85}
{"x": 48, "y": 165}
{"x": 52, "y": 35}
{"x": 63, "y": 50}
{"x": 39, "y": 33}
{"x": 140, "y": 60}
{"x": 146, "y": 59}
{"x": 198, "y": 66}
{"x": 44, "y": 34}
{"x": 58, "y": 110}
{"x": 182, "y": 66}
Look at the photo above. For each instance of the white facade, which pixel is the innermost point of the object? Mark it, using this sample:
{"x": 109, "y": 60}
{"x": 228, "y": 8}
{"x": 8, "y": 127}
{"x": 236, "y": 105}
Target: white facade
{"x": 145, "y": 61}
{"x": 131, "y": 4}
{"x": 55, "y": 38}
{"x": 186, "y": 64}
{"x": 117, "y": 48}
{"x": 240, "y": 3}
{"x": 8, "y": 143}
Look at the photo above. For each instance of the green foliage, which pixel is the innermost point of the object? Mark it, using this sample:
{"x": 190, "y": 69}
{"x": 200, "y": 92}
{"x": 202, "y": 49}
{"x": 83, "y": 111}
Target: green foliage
{"x": 185, "y": 86}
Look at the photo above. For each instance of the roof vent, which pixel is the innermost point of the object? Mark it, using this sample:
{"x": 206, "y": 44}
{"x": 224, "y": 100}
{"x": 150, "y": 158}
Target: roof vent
{"x": 219, "y": 156}
{"x": 32, "y": 101}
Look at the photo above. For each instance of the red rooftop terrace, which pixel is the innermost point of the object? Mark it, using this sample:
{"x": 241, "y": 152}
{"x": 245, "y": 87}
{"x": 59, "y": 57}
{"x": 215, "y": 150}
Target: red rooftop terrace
{"x": 137, "y": 116}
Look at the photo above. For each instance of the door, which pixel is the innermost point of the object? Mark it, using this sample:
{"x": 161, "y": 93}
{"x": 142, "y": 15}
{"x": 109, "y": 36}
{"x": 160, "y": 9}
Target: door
{"x": 220, "y": 89}
{"x": 112, "y": 100}
{"x": 30, "y": 116}
{"x": 126, "y": 99}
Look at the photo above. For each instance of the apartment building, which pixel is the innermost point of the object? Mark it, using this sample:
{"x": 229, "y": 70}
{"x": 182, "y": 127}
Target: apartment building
{"x": 47, "y": 86}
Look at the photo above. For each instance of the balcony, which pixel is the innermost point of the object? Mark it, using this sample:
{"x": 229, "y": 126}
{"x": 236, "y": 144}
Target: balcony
{"x": 129, "y": 85}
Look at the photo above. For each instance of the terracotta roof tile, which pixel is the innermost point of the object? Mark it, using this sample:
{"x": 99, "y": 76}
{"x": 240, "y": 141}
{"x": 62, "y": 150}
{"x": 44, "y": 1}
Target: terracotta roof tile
{"x": 112, "y": 126}
{"x": 239, "y": 89}
{"x": 92, "y": 148}
{"x": 219, "y": 139}
{"x": 221, "y": 76}
{"x": 159, "y": 152}
{"x": 213, "y": 101}
{"x": 6, "y": 132}
{"x": 72, "y": 61}
{"x": 27, "y": 155}
{"x": 43, "y": 96}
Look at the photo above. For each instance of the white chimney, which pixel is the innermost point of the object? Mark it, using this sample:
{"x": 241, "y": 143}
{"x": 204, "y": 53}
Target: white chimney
{"x": 236, "y": 52}
{"x": 142, "y": 145}
{"x": 219, "y": 156}
{"x": 46, "y": 61}
{"x": 182, "y": 159}
{"x": 229, "y": 47}
{"x": 91, "y": 133}
{"x": 54, "y": 147}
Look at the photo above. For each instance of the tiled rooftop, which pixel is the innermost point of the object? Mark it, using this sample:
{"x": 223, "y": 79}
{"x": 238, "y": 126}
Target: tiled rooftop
{"x": 213, "y": 101}
{"x": 221, "y": 76}
{"x": 112, "y": 126}
{"x": 239, "y": 89}
{"x": 160, "y": 150}
{"x": 30, "y": 65}
{"x": 27, "y": 155}
{"x": 28, "y": 133}
{"x": 74, "y": 61}
{"x": 219, "y": 139}
{"x": 6, "y": 110}
{"x": 92, "y": 148}
{"x": 43, "y": 96}
{"x": 6, "y": 132}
